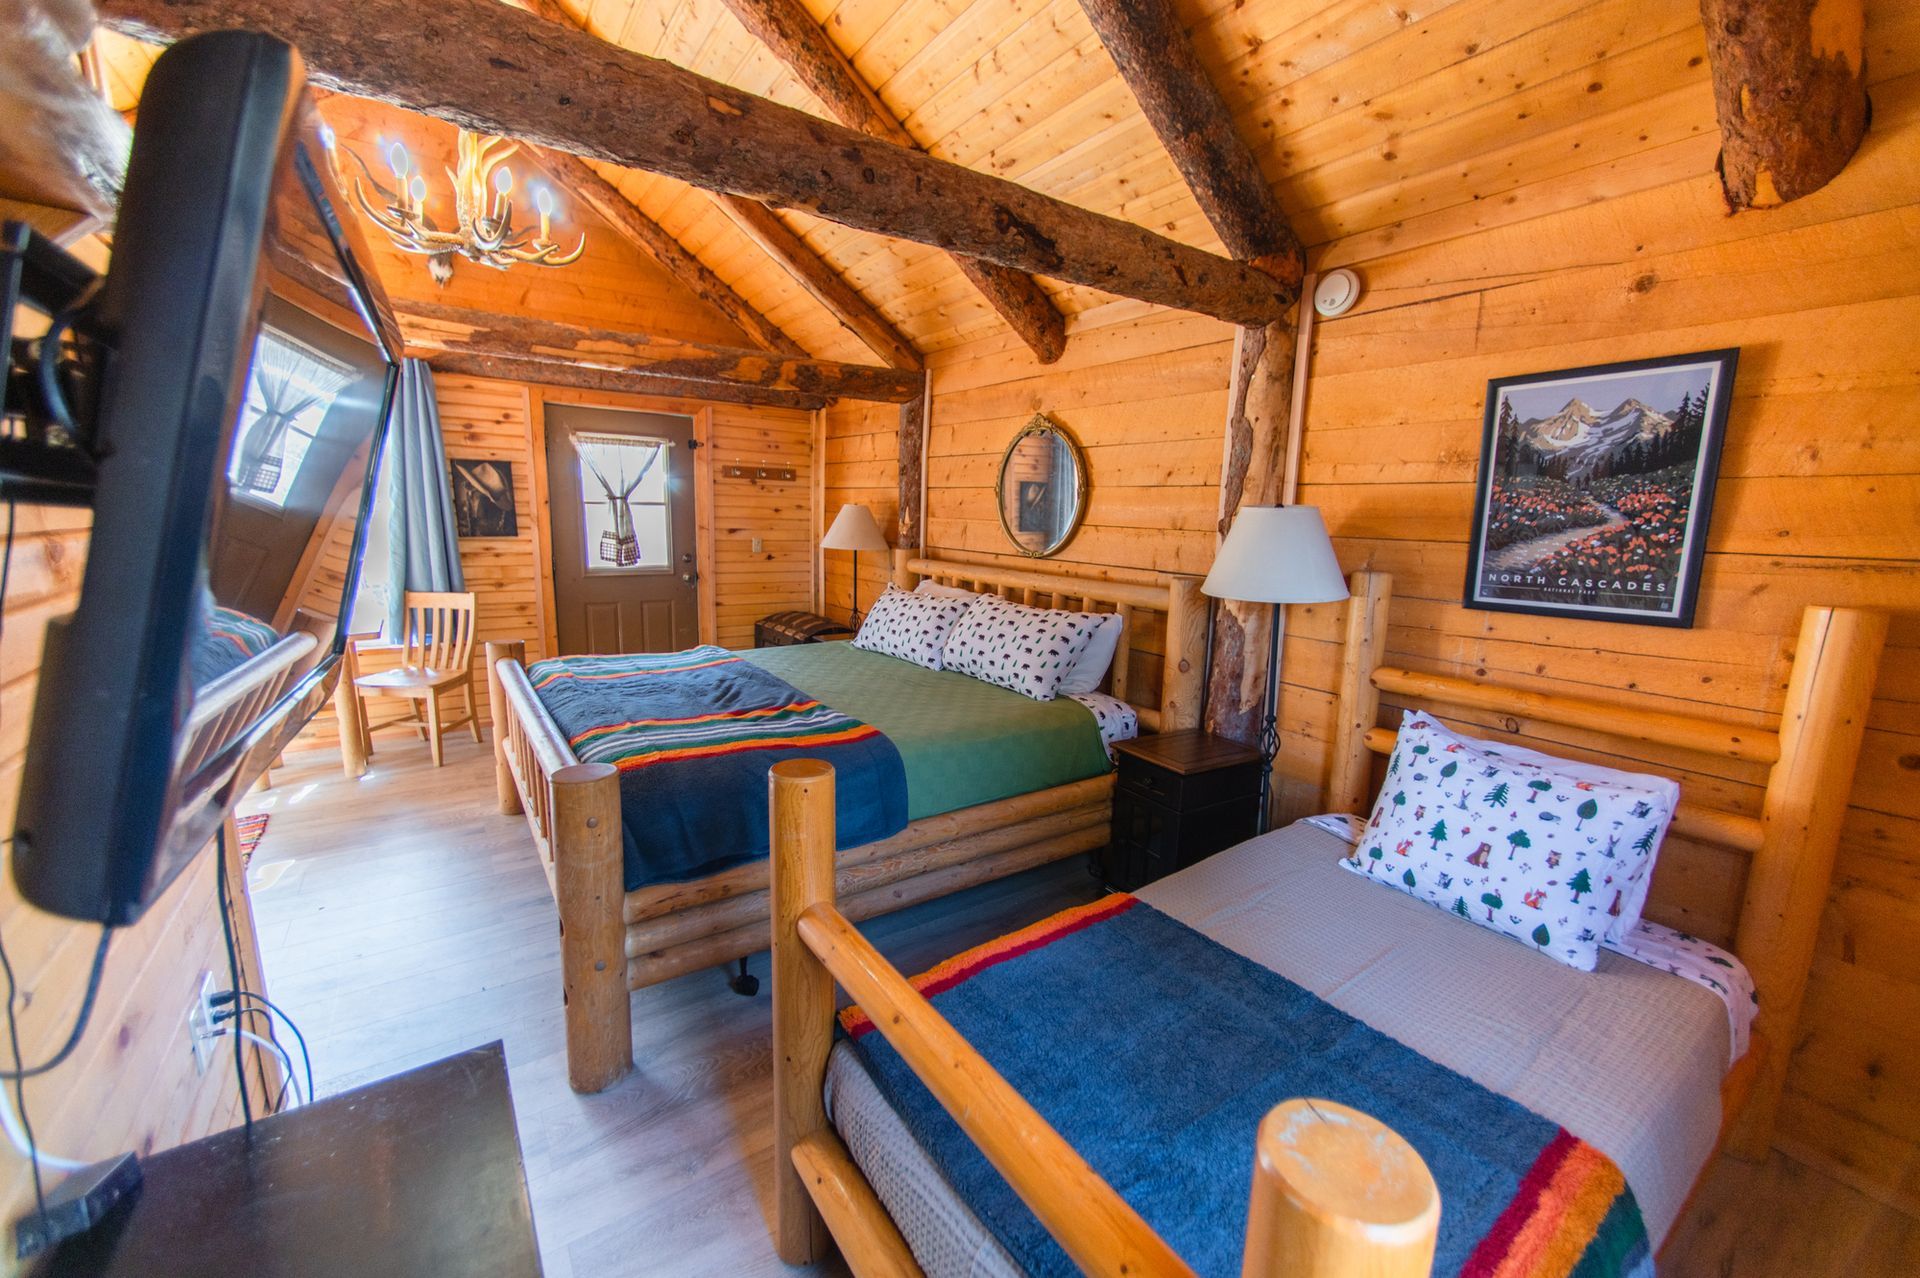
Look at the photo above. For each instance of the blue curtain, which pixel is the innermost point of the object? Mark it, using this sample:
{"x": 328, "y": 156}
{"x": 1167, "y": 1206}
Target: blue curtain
{"x": 423, "y": 551}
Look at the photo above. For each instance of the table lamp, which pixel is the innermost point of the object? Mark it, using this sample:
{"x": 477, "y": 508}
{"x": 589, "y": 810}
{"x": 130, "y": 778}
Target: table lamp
{"x": 1275, "y": 555}
{"x": 854, "y": 529}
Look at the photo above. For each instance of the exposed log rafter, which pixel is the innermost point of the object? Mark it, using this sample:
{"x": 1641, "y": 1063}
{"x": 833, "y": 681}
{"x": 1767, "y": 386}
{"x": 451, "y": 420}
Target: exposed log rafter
{"x": 488, "y": 67}
{"x": 764, "y": 227}
{"x": 1790, "y": 90}
{"x": 1181, "y": 102}
{"x": 587, "y": 185}
{"x": 803, "y": 44}
{"x": 642, "y": 363}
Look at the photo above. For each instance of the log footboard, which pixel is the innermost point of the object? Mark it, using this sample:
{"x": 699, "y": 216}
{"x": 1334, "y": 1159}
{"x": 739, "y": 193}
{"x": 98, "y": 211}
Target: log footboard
{"x": 1336, "y": 1194}
{"x": 614, "y": 941}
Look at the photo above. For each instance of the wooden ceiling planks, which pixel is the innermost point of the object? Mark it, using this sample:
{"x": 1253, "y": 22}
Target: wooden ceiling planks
{"x": 1378, "y": 125}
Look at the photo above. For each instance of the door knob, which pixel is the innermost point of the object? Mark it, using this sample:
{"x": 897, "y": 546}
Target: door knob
{"x": 689, "y": 577}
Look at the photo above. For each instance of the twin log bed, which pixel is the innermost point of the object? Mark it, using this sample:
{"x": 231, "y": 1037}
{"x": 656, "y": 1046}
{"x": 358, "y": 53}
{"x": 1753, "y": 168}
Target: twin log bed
{"x": 1333, "y": 1192}
{"x": 614, "y": 940}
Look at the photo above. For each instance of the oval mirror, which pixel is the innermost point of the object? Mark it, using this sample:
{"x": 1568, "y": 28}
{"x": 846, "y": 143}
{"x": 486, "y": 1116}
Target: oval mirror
{"x": 1042, "y": 487}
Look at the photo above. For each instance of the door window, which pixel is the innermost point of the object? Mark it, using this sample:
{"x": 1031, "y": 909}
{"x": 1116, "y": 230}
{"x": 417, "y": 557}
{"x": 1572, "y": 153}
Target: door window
{"x": 624, "y": 503}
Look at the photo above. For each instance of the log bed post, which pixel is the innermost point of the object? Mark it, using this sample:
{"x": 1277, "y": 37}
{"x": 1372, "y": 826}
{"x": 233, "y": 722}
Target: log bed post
{"x": 1359, "y": 705}
{"x": 800, "y": 800}
{"x": 502, "y": 717}
{"x": 1338, "y": 1194}
{"x": 904, "y": 577}
{"x": 588, "y": 889}
{"x": 1828, "y": 697}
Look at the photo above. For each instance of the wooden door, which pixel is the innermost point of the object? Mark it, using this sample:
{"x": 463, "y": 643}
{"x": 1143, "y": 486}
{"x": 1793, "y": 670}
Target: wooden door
{"x": 623, "y": 579}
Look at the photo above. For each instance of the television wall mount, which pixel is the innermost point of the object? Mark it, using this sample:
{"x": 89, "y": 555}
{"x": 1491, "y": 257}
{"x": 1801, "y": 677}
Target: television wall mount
{"x": 52, "y": 379}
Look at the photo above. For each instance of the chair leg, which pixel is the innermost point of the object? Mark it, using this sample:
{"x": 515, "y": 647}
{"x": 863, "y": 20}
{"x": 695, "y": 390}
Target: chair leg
{"x": 433, "y": 727}
{"x": 473, "y": 715}
{"x": 362, "y": 724}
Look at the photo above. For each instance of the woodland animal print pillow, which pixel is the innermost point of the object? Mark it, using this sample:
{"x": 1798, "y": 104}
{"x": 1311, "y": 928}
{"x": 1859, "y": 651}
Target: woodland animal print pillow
{"x": 909, "y": 626}
{"x": 1541, "y": 853}
{"x": 1029, "y": 650}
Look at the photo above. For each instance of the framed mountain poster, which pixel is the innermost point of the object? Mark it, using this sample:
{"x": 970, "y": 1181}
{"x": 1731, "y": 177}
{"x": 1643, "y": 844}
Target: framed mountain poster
{"x": 1595, "y": 486}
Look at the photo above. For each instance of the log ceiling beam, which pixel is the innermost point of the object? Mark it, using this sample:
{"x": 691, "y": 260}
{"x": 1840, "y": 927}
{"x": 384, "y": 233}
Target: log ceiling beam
{"x": 586, "y": 184}
{"x": 758, "y": 223}
{"x": 484, "y": 66}
{"x": 438, "y": 329}
{"x": 63, "y": 152}
{"x": 1181, "y": 102}
{"x": 548, "y": 372}
{"x": 787, "y": 28}
{"x": 1790, "y": 91}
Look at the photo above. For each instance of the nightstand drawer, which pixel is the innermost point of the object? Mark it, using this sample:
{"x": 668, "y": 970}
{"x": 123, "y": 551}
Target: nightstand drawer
{"x": 1195, "y": 791}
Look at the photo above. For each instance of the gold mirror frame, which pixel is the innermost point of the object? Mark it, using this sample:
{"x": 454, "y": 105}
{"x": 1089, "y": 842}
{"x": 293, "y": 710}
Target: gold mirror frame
{"x": 1041, "y": 424}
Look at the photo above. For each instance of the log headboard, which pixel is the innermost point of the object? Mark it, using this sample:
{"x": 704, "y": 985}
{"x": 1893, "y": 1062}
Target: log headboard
{"x": 1158, "y": 665}
{"x": 1791, "y": 842}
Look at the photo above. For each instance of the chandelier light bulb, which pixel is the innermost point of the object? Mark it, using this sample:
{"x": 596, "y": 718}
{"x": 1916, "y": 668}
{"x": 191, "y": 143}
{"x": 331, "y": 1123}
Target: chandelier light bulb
{"x": 544, "y": 199}
{"x": 503, "y": 180}
{"x": 397, "y": 160}
{"x": 327, "y": 137}
{"x": 418, "y": 190}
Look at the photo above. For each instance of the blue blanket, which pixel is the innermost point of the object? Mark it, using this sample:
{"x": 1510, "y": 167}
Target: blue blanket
{"x": 1155, "y": 1052}
{"x": 693, "y": 734}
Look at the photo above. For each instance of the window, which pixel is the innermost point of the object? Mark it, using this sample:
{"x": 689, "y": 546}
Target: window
{"x": 624, "y": 501}
{"x": 289, "y": 390}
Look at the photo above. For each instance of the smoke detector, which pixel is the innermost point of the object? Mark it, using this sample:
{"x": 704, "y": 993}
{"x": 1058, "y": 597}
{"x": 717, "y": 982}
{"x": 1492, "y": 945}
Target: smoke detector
{"x": 1336, "y": 292}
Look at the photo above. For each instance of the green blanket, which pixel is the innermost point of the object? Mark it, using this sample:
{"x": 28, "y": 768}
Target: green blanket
{"x": 963, "y": 741}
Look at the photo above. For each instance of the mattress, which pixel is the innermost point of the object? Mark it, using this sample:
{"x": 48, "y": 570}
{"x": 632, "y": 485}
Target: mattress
{"x": 962, "y": 741}
{"x": 1627, "y": 1057}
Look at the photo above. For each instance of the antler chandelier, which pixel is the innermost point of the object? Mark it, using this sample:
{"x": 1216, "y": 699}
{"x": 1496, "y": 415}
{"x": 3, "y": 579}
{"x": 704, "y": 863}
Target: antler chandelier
{"x": 484, "y": 232}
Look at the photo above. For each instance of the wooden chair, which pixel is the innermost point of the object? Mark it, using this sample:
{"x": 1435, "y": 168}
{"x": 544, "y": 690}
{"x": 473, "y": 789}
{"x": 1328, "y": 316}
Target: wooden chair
{"x": 436, "y": 651}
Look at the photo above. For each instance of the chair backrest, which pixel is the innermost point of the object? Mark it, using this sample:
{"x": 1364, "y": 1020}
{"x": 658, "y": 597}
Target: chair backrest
{"x": 438, "y": 631}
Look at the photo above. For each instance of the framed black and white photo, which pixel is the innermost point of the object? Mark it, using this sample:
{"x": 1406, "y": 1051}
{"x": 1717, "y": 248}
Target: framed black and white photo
{"x": 1595, "y": 488}
{"x": 483, "y": 498}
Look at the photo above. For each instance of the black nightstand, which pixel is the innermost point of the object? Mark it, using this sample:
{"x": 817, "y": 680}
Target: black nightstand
{"x": 1180, "y": 797}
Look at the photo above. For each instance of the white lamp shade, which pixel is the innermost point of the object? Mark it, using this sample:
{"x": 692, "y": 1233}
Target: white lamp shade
{"x": 1277, "y": 554}
{"x": 854, "y": 529}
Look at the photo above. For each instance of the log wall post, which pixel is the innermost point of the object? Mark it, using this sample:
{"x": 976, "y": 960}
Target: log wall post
{"x": 912, "y": 533}
{"x": 1186, "y": 656}
{"x": 588, "y": 887}
{"x": 800, "y": 795}
{"x": 1790, "y": 91}
{"x": 502, "y": 716}
{"x": 1338, "y": 1194}
{"x": 1835, "y": 664}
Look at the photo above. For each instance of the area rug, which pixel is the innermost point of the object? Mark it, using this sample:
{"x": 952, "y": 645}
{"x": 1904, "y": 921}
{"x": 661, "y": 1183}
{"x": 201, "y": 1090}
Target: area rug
{"x": 251, "y": 830}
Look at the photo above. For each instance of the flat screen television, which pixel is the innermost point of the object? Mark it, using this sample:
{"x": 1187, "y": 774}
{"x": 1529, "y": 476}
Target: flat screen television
{"x": 248, "y": 361}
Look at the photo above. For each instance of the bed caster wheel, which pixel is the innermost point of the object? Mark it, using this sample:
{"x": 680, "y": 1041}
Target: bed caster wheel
{"x": 743, "y": 982}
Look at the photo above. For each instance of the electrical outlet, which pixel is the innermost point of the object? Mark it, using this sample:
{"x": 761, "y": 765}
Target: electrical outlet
{"x": 200, "y": 1026}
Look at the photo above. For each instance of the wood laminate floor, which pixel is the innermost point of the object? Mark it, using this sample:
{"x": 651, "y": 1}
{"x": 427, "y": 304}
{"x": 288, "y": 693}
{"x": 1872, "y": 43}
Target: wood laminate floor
{"x": 402, "y": 918}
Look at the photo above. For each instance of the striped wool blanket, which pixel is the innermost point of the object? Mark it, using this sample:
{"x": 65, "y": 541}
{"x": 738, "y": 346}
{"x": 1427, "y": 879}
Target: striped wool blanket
{"x": 693, "y": 734}
{"x": 1155, "y": 1052}
{"x": 226, "y": 640}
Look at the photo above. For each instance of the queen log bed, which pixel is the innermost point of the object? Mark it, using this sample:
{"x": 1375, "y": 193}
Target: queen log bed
{"x": 1333, "y": 1193}
{"x": 614, "y": 940}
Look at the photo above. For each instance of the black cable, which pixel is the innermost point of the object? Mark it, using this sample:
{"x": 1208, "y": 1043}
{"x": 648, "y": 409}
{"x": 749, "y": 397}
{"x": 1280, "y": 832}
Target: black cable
{"x": 275, "y": 1009}
{"x": 20, "y": 1072}
{"x": 233, "y": 971}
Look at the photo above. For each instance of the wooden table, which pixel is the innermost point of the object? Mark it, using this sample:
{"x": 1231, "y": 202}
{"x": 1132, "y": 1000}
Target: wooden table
{"x": 418, "y": 1174}
{"x": 1179, "y": 798}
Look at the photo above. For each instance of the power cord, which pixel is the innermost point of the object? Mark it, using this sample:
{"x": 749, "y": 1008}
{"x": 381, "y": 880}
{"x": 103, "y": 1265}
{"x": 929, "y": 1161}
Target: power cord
{"x": 286, "y": 1061}
{"x": 269, "y": 1009}
{"x": 233, "y": 972}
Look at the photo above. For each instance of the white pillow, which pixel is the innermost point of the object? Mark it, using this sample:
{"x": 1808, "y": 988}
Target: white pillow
{"x": 909, "y": 626}
{"x": 1026, "y": 649}
{"x": 1549, "y": 855}
{"x": 1091, "y": 668}
{"x": 932, "y": 587}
